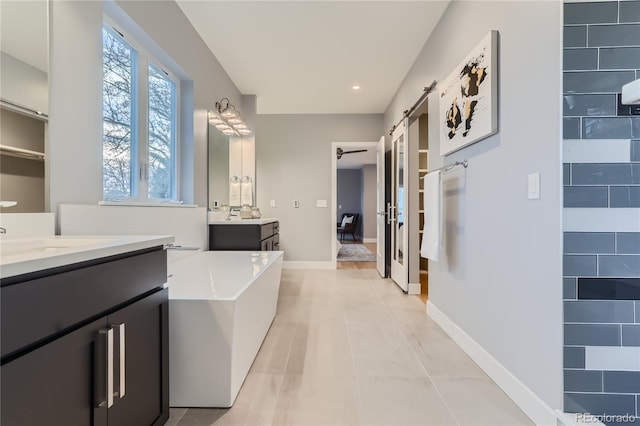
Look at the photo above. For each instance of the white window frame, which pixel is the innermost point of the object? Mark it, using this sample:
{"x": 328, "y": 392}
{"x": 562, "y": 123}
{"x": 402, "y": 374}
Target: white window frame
{"x": 140, "y": 124}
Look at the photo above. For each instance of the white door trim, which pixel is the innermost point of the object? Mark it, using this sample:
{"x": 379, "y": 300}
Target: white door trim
{"x": 333, "y": 210}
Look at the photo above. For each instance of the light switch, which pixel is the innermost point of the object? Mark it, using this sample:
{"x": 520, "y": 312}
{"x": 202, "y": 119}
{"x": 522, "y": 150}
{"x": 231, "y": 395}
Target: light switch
{"x": 321, "y": 203}
{"x": 272, "y": 203}
{"x": 296, "y": 203}
{"x": 533, "y": 192}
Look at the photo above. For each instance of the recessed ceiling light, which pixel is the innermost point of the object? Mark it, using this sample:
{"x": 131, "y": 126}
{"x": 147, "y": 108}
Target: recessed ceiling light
{"x": 356, "y": 87}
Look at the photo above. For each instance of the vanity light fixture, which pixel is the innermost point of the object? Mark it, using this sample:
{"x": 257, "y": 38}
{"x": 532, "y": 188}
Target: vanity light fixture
{"x": 228, "y": 120}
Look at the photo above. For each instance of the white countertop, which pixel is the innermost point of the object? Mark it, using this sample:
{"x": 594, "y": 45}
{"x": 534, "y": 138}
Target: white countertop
{"x": 238, "y": 221}
{"x": 23, "y": 255}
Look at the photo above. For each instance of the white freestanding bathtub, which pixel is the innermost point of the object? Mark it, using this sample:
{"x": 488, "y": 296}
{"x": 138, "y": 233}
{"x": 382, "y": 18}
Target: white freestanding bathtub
{"x": 221, "y": 305}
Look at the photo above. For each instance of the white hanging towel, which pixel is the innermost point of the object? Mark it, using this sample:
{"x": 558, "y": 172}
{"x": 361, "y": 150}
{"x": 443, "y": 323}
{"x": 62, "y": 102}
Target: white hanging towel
{"x": 430, "y": 247}
{"x": 247, "y": 193}
{"x": 234, "y": 194}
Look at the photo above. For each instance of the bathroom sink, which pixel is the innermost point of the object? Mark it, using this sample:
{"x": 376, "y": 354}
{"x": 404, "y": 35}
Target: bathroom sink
{"x": 18, "y": 246}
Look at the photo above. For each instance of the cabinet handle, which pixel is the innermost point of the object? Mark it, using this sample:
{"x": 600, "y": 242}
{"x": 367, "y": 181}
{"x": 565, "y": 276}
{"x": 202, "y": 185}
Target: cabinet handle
{"x": 121, "y": 352}
{"x": 108, "y": 377}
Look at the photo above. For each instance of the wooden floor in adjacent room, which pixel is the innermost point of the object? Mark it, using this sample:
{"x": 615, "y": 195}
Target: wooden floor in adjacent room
{"x": 358, "y": 265}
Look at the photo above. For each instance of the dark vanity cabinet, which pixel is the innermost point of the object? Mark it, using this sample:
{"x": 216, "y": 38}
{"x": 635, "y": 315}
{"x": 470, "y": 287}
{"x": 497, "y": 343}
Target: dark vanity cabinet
{"x": 73, "y": 335}
{"x": 260, "y": 237}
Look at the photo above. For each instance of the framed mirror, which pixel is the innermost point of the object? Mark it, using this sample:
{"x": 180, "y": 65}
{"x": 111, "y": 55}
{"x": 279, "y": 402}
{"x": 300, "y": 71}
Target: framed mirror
{"x": 231, "y": 171}
{"x": 24, "y": 100}
{"x": 218, "y": 168}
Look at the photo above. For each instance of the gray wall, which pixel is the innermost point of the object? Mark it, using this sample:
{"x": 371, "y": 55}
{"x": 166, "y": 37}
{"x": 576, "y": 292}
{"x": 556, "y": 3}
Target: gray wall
{"x": 500, "y": 276}
{"x": 22, "y": 179}
{"x": 601, "y": 176}
{"x": 349, "y": 193}
{"x": 76, "y": 93}
{"x": 294, "y": 162}
{"x": 369, "y": 201}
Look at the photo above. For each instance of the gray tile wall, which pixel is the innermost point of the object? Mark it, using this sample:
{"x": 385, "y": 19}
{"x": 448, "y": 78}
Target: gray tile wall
{"x": 601, "y": 53}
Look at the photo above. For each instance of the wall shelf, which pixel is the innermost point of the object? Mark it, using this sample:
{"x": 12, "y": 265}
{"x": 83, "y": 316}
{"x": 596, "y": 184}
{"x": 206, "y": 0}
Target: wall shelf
{"x": 20, "y": 152}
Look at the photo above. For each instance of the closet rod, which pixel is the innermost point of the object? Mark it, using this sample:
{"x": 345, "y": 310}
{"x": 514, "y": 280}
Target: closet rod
{"x": 407, "y": 112}
{"x": 12, "y": 106}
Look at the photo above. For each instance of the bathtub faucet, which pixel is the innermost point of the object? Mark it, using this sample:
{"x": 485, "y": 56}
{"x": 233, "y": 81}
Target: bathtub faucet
{"x": 3, "y": 230}
{"x": 172, "y": 246}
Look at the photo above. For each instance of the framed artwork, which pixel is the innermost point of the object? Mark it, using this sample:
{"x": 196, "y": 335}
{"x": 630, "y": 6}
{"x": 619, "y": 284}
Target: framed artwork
{"x": 469, "y": 98}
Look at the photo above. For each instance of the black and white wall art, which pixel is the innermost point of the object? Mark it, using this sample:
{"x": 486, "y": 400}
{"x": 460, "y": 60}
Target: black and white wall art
{"x": 469, "y": 98}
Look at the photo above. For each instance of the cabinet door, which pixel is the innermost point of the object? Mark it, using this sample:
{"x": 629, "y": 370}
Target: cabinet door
{"x": 265, "y": 245}
{"x": 54, "y": 385}
{"x": 146, "y": 366}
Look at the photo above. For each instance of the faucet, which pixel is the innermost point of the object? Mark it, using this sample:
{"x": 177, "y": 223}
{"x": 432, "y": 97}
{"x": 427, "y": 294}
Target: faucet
{"x": 3, "y": 230}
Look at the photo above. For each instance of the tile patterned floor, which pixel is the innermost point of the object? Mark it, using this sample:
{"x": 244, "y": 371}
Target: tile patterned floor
{"x": 348, "y": 348}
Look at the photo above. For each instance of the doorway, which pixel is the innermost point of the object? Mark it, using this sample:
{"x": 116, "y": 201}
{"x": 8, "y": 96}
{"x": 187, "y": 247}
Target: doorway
{"x": 354, "y": 168}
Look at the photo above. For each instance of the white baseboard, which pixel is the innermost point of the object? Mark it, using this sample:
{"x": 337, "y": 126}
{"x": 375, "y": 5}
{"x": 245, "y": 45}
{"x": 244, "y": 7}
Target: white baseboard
{"x": 414, "y": 288}
{"x": 293, "y": 264}
{"x": 369, "y": 240}
{"x": 537, "y": 410}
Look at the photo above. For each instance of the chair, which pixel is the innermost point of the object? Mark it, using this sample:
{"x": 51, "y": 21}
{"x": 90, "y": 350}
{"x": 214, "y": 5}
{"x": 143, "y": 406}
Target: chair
{"x": 348, "y": 227}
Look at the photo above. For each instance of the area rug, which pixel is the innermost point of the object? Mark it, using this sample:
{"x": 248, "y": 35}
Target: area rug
{"x": 355, "y": 253}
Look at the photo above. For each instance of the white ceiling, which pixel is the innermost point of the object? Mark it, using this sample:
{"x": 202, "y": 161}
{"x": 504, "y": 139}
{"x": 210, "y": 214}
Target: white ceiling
{"x": 24, "y": 27}
{"x": 303, "y": 57}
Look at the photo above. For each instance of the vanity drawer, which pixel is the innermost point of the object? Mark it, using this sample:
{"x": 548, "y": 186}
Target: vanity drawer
{"x": 38, "y": 308}
{"x": 266, "y": 231}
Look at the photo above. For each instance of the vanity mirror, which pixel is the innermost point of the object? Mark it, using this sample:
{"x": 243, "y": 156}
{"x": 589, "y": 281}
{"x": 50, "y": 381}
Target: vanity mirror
{"x": 24, "y": 103}
{"x": 231, "y": 177}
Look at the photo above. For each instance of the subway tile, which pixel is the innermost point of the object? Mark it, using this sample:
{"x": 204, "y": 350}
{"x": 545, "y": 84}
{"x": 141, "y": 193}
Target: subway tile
{"x": 608, "y": 288}
{"x": 612, "y": 358}
{"x": 611, "y": 404}
{"x": 606, "y": 128}
{"x": 619, "y": 381}
{"x": 575, "y": 36}
{"x": 589, "y": 242}
{"x": 591, "y": 13}
{"x": 596, "y": 151}
{"x": 592, "y": 335}
{"x": 629, "y": 12}
{"x": 599, "y": 311}
{"x": 635, "y": 127}
{"x": 638, "y": 311}
{"x": 586, "y": 196}
{"x": 580, "y": 59}
{"x": 573, "y": 357}
{"x": 605, "y": 174}
{"x": 595, "y": 81}
{"x": 630, "y": 335}
{"x": 635, "y": 150}
{"x": 625, "y": 196}
{"x": 579, "y": 265}
{"x": 569, "y": 288}
{"x": 613, "y": 35}
{"x": 571, "y": 128}
{"x": 566, "y": 174}
{"x": 615, "y": 58}
{"x": 624, "y": 265}
{"x": 628, "y": 242}
{"x": 589, "y": 105}
{"x": 582, "y": 381}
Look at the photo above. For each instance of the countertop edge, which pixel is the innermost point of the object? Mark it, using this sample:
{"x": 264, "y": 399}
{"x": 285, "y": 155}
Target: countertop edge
{"x": 117, "y": 245}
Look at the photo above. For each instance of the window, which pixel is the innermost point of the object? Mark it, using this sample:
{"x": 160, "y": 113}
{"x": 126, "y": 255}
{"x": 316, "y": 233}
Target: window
{"x": 140, "y": 124}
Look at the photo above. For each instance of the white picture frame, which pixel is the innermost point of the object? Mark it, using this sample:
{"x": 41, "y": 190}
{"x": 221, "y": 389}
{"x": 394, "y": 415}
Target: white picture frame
{"x": 468, "y": 98}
